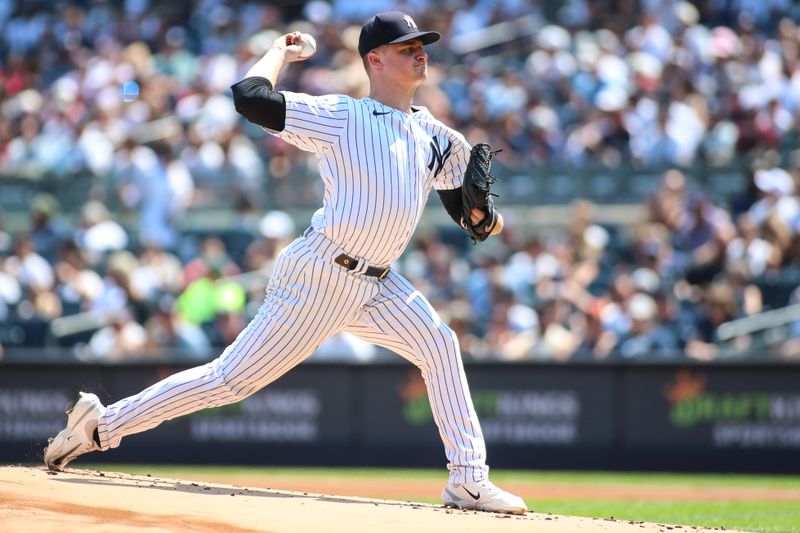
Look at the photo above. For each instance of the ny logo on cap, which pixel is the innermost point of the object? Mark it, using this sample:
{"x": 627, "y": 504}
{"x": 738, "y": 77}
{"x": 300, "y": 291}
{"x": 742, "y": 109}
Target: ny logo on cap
{"x": 410, "y": 21}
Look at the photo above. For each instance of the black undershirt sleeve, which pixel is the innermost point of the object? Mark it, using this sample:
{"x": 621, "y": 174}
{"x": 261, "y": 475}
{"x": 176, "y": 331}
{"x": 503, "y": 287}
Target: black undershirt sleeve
{"x": 453, "y": 203}
{"x": 256, "y": 100}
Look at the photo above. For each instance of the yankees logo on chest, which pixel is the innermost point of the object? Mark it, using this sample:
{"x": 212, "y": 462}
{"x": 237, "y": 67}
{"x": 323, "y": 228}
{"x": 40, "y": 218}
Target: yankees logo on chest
{"x": 440, "y": 151}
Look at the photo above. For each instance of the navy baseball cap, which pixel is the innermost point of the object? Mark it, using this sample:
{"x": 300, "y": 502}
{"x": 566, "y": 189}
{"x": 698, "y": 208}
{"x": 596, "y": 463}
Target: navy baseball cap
{"x": 391, "y": 27}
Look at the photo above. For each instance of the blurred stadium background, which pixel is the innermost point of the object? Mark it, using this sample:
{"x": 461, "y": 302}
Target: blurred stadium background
{"x": 644, "y": 300}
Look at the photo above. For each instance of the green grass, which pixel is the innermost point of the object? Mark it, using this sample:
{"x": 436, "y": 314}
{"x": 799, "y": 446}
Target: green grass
{"x": 745, "y": 516}
{"x": 650, "y": 478}
{"x": 757, "y": 515}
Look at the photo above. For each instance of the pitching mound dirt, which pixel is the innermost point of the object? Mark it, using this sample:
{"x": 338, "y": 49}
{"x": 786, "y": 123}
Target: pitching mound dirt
{"x": 34, "y": 500}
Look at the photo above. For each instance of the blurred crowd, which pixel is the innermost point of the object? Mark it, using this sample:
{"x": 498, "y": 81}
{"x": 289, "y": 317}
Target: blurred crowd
{"x": 659, "y": 290}
{"x": 91, "y": 86}
{"x": 136, "y": 95}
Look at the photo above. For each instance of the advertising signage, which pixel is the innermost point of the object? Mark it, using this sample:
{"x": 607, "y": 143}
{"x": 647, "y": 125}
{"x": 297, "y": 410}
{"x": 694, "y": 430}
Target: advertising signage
{"x": 737, "y": 418}
{"x": 714, "y": 408}
{"x": 547, "y": 408}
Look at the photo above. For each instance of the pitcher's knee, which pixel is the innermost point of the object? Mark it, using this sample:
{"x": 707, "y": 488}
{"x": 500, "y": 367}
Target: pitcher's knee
{"x": 449, "y": 339}
{"x": 441, "y": 347}
{"x": 230, "y": 379}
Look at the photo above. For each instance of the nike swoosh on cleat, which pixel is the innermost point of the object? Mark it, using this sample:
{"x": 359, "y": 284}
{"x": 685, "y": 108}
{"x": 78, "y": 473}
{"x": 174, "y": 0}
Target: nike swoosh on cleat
{"x": 478, "y": 497}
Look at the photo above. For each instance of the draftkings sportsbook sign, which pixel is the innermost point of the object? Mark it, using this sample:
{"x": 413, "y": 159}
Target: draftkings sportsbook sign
{"x": 723, "y": 409}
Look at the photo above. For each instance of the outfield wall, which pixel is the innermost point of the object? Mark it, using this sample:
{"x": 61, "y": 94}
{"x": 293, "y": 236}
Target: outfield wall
{"x": 692, "y": 417}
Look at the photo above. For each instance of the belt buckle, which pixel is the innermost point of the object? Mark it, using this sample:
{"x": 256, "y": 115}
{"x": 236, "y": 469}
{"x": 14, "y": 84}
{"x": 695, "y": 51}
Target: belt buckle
{"x": 384, "y": 273}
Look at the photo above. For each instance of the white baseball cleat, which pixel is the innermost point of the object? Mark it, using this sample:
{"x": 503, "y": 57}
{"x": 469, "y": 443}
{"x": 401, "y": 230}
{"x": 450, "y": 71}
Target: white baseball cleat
{"x": 482, "y": 496}
{"x": 78, "y": 437}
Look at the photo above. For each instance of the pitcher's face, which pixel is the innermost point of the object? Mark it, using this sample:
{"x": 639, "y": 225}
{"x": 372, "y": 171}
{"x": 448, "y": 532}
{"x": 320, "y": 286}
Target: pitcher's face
{"x": 404, "y": 63}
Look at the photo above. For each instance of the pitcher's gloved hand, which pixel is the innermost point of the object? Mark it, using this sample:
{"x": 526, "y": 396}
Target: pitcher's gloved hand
{"x": 476, "y": 193}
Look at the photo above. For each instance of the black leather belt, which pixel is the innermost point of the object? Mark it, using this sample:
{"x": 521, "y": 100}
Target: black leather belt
{"x": 351, "y": 264}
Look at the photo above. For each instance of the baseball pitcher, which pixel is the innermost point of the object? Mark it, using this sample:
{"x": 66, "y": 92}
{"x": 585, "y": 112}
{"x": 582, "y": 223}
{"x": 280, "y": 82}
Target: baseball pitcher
{"x": 379, "y": 158}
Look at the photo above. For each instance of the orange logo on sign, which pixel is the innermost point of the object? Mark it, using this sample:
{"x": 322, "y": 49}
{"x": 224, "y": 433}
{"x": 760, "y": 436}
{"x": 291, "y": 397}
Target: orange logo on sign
{"x": 414, "y": 387}
{"x": 685, "y": 386}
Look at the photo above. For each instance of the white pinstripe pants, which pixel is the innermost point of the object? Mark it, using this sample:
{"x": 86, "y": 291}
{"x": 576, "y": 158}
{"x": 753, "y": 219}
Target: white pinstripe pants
{"x": 309, "y": 299}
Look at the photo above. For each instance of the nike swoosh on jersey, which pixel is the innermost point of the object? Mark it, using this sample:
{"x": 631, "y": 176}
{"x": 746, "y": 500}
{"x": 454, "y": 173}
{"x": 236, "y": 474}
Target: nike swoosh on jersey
{"x": 376, "y": 113}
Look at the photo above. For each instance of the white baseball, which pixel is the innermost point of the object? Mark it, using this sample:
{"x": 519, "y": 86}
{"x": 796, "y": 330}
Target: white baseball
{"x": 309, "y": 46}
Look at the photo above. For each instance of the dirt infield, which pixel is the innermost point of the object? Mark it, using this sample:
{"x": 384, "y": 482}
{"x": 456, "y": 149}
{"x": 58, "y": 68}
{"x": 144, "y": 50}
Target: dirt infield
{"x": 33, "y": 500}
{"x": 394, "y": 488}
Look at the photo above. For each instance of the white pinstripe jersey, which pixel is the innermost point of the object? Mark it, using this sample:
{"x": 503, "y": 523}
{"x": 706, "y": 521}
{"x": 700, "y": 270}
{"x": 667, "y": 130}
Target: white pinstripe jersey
{"x": 378, "y": 165}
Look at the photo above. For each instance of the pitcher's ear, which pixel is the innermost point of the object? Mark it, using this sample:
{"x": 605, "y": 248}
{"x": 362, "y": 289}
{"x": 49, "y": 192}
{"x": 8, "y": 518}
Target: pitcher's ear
{"x": 374, "y": 58}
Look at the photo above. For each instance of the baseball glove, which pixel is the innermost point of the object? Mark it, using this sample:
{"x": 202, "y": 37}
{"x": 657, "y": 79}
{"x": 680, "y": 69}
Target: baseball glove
{"x": 476, "y": 192}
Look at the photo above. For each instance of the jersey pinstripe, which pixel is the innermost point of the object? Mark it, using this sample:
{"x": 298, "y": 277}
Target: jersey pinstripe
{"x": 378, "y": 166}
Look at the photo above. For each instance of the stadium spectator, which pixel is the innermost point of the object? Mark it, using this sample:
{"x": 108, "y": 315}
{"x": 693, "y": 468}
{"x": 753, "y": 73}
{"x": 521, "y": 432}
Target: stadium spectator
{"x": 99, "y": 234}
{"x": 32, "y": 270}
{"x": 156, "y": 274}
{"x": 159, "y": 186}
{"x": 123, "y": 339}
{"x": 646, "y": 338}
{"x": 276, "y": 229}
{"x": 115, "y": 292}
{"x": 718, "y": 306}
{"x": 211, "y": 258}
{"x": 78, "y": 284}
{"x": 11, "y": 292}
{"x": 596, "y": 341}
{"x": 46, "y": 232}
{"x": 171, "y": 335}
